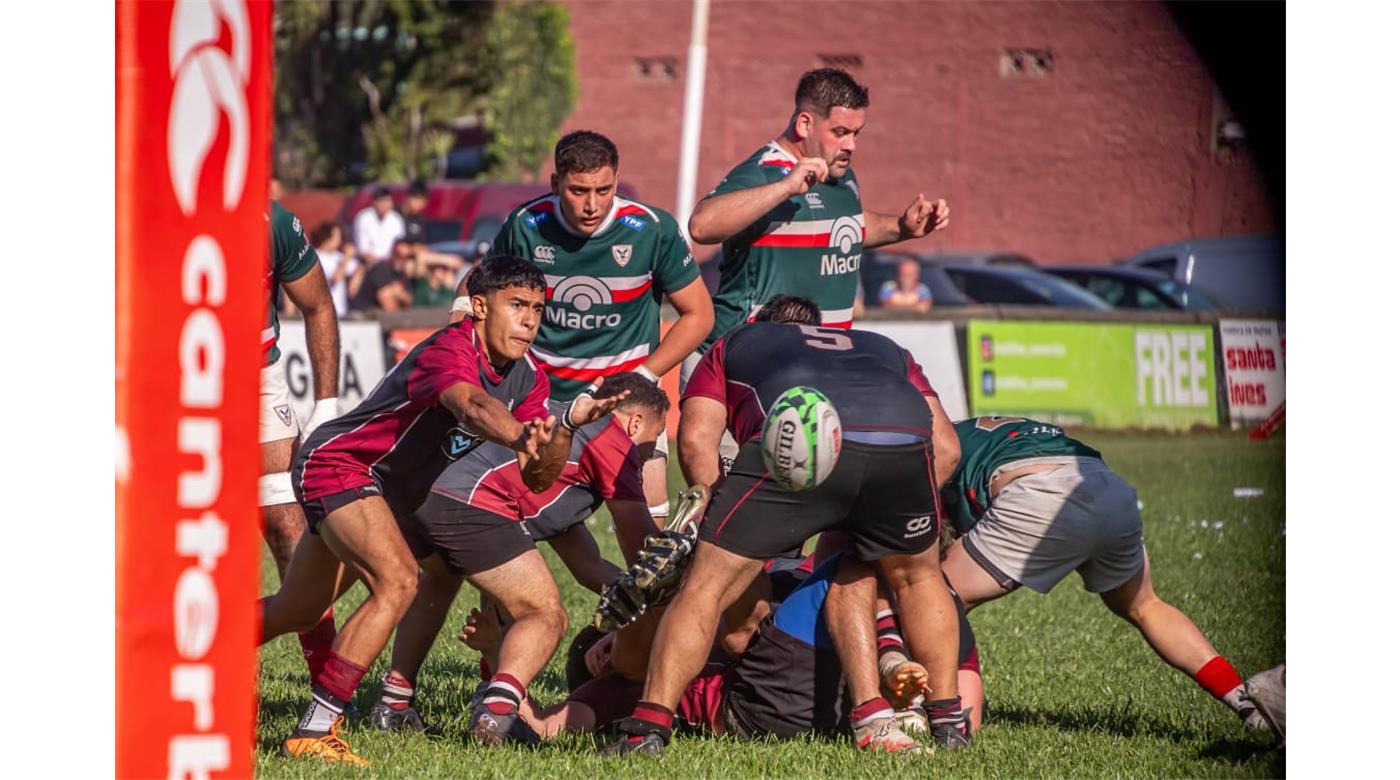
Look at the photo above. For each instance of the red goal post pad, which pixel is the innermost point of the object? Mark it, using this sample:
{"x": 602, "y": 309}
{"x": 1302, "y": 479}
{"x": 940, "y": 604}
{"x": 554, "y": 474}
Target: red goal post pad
{"x": 192, "y": 128}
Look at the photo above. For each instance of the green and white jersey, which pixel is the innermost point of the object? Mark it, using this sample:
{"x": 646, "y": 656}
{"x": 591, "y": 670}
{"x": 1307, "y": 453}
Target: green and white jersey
{"x": 988, "y": 443}
{"x": 603, "y": 309}
{"x": 291, "y": 258}
{"x": 810, "y": 245}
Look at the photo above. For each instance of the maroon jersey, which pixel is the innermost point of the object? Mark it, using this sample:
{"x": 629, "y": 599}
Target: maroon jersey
{"x": 603, "y": 465}
{"x": 874, "y": 383}
{"x": 399, "y": 436}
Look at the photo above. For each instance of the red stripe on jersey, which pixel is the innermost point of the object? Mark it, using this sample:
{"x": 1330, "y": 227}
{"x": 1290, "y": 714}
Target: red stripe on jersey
{"x": 742, "y": 499}
{"x": 844, "y": 325}
{"x": 623, "y": 296}
{"x": 778, "y": 163}
{"x": 628, "y": 210}
{"x": 544, "y": 205}
{"x": 589, "y": 374}
{"x": 269, "y": 344}
{"x": 822, "y": 239}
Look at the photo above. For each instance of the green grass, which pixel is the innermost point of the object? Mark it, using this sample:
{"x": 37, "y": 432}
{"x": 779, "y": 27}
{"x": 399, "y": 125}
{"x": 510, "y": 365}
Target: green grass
{"x": 1072, "y": 691}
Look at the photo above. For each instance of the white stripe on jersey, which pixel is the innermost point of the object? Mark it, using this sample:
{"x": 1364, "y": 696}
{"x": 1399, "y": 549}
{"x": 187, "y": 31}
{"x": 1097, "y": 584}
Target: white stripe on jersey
{"x": 620, "y": 202}
{"x": 776, "y": 152}
{"x": 837, "y": 315}
{"x": 602, "y": 361}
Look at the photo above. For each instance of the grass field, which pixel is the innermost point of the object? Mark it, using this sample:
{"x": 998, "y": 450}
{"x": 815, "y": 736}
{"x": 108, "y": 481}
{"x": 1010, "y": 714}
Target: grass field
{"x": 1072, "y": 690}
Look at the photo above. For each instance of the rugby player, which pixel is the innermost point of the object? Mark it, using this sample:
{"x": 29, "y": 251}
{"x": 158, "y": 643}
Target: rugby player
{"x": 787, "y": 682}
{"x": 882, "y": 493}
{"x": 292, "y": 260}
{"x": 481, "y": 522}
{"x": 470, "y": 380}
{"x": 608, "y": 262}
{"x": 1030, "y": 504}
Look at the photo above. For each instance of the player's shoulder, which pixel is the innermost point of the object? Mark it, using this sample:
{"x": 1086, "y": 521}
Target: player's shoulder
{"x": 643, "y": 218}
{"x": 532, "y": 213}
{"x": 282, "y": 218}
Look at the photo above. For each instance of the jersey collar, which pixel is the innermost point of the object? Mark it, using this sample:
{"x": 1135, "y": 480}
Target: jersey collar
{"x": 598, "y": 231}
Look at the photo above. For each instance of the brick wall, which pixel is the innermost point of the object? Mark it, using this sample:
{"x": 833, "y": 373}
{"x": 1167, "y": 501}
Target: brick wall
{"x": 1107, "y": 153}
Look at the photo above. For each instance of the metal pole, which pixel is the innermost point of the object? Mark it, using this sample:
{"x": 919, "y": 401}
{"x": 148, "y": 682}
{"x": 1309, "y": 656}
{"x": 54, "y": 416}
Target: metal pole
{"x": 694, "y": 105}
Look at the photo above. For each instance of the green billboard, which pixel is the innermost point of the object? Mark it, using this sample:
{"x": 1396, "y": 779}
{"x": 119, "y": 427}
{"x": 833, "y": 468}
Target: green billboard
{"x": 1097, "y": 374}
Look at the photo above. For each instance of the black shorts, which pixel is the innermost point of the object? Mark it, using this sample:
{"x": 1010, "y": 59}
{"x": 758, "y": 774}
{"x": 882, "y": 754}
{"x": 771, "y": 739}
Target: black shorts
{"x": 883, "y": 496}
{"x": 316, "y": 509}
{"x": 470, "y": 540}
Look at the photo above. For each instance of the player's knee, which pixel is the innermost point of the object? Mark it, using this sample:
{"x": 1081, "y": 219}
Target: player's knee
{"x": 397, "y": 587}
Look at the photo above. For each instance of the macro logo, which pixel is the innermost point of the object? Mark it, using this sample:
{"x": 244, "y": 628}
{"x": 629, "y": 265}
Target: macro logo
{"x": 209, "y": 83}
{"x": 846, "y": 234}
{"x": 581, "y": 293}
{"x": 633, "y": 221}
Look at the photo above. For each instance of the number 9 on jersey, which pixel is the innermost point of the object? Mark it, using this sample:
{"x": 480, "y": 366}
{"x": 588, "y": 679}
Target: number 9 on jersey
{"x": 801, "y": 438}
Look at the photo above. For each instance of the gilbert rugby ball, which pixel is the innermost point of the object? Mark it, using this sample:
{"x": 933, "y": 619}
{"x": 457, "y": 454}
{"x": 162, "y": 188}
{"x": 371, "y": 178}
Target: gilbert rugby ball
{"x": 801, "y": 438}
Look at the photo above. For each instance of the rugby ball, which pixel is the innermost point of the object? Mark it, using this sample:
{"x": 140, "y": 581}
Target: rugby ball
{"x": 801, "y": 438}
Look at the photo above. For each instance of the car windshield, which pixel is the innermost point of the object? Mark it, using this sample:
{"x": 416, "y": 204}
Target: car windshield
{"x": 1190, "y": 298}
{"x": 1059, "y": 292}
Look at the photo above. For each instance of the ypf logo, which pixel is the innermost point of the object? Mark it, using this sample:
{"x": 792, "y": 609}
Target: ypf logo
{"x": 845, "y": 233}
{"x": 583, "y": 292}
{"x": 209, "y": 82}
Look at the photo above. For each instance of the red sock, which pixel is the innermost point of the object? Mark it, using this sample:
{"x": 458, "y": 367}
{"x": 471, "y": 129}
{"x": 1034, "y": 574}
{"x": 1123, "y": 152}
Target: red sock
{"x": 866, "y": 711}
{"x": 316, "y": 643}
{"x": 1218, "y": 677}
{"x": 340, "y": 677}
{"x": 655, "y": 714}
{"x": 503, "y": 694}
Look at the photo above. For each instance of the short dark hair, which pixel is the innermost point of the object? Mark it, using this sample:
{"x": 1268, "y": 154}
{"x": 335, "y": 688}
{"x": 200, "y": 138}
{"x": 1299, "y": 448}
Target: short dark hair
{"x": 582, "y": 151}
{"x": 323, "y": 232}
{"x": 643, "y": 392}
{"x": 823, "y": 89}
{"x": 418, "y": 188}
{"x": 382, "y": 191}
{"x": 502, "y": 271}
{"x": 789, "y": 308}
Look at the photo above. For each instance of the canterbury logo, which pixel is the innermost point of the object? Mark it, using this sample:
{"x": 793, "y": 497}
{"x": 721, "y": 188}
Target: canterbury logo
{"x": 583, "y": 292}
{"x": 845, "y": 233}
{"x": 918, "y": 526}
{"x": 208, "y": 84}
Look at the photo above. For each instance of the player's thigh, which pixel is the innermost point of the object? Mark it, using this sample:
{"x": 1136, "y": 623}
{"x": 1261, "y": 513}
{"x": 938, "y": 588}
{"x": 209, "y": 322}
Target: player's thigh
{"x": 276, "y": 421}
{"x": 521, "y": 586}
{"x": 1129, "y": 596}
{"x": 751, "y": 516}
{"x": 720, "y": 575}
{"x": 316, "y": 577}
{"x": 896, "y": 512}
{"x": 365, "y": 535}
{"x": 972, "y": 582}
{"x": 276, "y": 455}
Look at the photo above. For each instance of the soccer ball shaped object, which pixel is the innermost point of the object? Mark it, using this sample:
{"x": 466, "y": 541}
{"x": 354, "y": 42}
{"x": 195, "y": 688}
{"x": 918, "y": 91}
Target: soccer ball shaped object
{"x": 801, "y": 438}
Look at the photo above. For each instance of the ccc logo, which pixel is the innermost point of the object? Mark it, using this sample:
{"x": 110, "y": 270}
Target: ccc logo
{"x": 209, "y": 82}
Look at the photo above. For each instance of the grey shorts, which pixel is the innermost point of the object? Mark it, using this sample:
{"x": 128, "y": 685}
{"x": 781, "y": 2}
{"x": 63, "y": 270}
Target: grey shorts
{"x": 1079, "y": 516}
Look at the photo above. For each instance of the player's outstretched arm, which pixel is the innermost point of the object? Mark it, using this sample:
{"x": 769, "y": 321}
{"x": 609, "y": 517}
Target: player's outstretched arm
{"x": 920, "y": 219}
{"x": 702, "y": 427}
{"x": 579, "y": 551}
{"x": 539, "y": 470}
{"x": 490, "y": 418}
{"x": 633, "y": 523}
{"x": 718, "y": 217}
{"x": 696, "y": 320}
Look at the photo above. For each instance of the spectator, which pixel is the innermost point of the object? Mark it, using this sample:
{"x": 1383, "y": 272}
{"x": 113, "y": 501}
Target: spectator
{"x": 386, "y": 285}
{"x": 356, "y": 276}
{"x": 414, "y": 222}
{"x": 906, "y": 291}
{"x": 338, "y": 266}
{"x": 377, "y": 227}
{"x": 436, "y": 286}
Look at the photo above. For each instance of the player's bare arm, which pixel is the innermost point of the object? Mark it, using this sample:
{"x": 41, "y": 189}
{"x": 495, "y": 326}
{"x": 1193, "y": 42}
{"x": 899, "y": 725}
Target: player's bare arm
{"x": 487, "y": 417}
{"x": 313, "y": 297}
{"x": 702, "y": 426}
{"x": 921, "y": 218}
{"x": 632, "y": 522}
{"x": 718, "y": 217}
{"x": 579, "y": 552}
{"x": 540, "y": 470}
{"x": 947, "y": 452}
{"x": 697, "y": 318}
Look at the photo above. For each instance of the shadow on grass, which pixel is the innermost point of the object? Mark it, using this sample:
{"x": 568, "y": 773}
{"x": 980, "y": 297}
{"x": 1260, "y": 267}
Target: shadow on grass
{"x": 1125, "y": 723}
{"x": 1243, "y": 751}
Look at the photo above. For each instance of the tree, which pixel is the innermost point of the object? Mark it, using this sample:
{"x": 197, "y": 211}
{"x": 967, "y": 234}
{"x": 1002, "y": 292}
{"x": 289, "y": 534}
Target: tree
{"x": 533, "y": 88}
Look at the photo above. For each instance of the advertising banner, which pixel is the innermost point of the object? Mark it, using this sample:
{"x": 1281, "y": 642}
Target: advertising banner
{"x": 935, "y": 346}
{"x": 1096, "y": 374}
{"x": 1253, "y": 358}
{"x": 194, "y": 82}
{"x": 361, "y": 364}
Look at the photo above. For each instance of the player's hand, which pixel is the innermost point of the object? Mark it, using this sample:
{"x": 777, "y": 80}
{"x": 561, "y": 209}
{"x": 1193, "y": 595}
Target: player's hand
{"x": 534, "y": 436}
{"x": 586, "y": 409}
{"x": 806, "y": 174}
{"x": 480, "y": 633}
{"x": 597, "y": 656}
{"x": 923, "y": 217}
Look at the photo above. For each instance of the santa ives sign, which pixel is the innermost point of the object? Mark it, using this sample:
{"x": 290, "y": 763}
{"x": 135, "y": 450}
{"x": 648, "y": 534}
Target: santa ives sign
{"x": 193, "y": 87}
{"x": 1254, "y": 377}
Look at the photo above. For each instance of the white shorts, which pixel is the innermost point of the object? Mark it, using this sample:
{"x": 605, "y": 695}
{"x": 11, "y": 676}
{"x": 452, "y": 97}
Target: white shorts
{"x": 1079, "y": 516}
{"x": 276, "y": 420}
{"x": 728, "y": 448}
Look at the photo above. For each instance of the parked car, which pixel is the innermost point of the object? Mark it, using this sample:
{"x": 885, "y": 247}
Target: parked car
{"x": 462, "y": 210}
{"x": 1018, "y": 285}
{"x": 880, "y": 266}
{"x": 1238, "y": 272}
{"x": 1135, "y": 288}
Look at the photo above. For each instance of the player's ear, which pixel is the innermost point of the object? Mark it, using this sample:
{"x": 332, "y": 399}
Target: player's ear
{"x": 479, "y": 306}
{"x": 802, "y": 123}
{"x": 554, "y": 183}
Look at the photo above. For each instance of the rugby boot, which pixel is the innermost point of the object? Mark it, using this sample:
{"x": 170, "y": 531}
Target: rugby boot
{"x": 493, "y": 729}
{"x": 1266, "y": 691}
{"x": 951, "y": 732}
{"x": 639, "y": 737}
{"x": 885, "y": 734}
{"x": 912, "y": 720}
{"x": 329, "y": 747}
{"x": 382, "y": 717}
